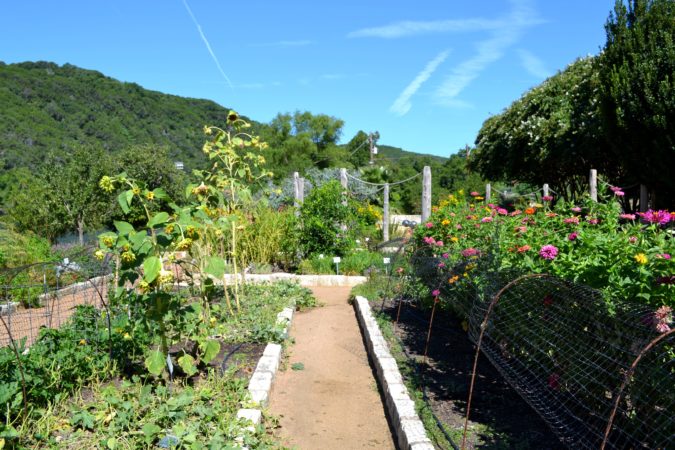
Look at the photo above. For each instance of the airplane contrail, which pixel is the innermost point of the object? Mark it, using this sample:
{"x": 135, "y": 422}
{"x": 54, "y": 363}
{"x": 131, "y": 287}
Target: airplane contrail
{"x": 208, "y": 46}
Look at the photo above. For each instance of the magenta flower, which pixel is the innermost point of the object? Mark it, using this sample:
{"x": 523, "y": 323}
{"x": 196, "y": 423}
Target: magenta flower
{"x": 441, "y": 265}
{"x": 548, "y": 252}
{"x": 627, "y": 216}
{"x": 573, "y": 236}
{"x": 486, "y": 219}
{"x": 439, "y": 243}
{"x": 576, "y": 209}
{"x": 663, "y": 256}
{"x": 661, "y": 216}
{"x": 445, "y": 255}
{"x": 547, "y": 198}
{"x": 502, "y": 211}
{"x": 619, "y": 193}
{"x": 632, "y": 239}
{"x": 435, "y": 292}
{"x": 470, "y": 252}
{"x": 660, "y": 319}
{"x": 429, "y": 225}
{"x": 429, "y": 240}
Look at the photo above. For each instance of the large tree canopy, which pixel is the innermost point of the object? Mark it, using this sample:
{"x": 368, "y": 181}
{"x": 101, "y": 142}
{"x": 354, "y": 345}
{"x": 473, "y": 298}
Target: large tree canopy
{"x": 637, "y": 76}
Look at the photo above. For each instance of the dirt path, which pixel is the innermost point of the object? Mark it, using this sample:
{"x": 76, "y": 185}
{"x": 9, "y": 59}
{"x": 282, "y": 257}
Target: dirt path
{"x": 333, "y": 403}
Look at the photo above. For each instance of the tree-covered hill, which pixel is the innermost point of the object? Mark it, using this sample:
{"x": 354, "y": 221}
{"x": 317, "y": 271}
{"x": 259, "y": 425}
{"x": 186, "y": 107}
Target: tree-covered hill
{"x": 47, "y": 107}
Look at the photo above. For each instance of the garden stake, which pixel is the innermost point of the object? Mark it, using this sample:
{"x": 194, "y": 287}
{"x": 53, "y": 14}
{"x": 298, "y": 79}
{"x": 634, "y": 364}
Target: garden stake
{"x": 398, "y": 314}
{"x": 431, "y": 322}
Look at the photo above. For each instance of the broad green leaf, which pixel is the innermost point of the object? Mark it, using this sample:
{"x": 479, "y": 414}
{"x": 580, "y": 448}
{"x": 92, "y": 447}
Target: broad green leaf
{"x": 210, "y": 349}
{"x": 187, "y": 363}
{"x": 215, "y": 267}
{"x": 151, "y": 267}
{"x": 124, "y": 204}
{"x": 111, "y": 443}
{"x": 155, "y": 362}
{"x": 123, "y": 227}
{"x": 137, "y": 240}
{"x": 158, "y": 219}
{"x": 160, "y": 194}
{"x": 150, "y": 430}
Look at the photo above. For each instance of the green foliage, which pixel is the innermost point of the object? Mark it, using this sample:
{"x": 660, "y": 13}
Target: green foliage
{"x": 637, "y": 94}
{"x": 322, "y": 216}
{"x": 356, "y": 263}
{"x": 553, "y": 134}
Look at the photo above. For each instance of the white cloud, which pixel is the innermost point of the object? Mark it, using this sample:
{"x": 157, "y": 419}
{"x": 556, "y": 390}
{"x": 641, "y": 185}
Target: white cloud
{"x": 208, "y": 46}
{"x": 534, "y": 65}
{"x": 402, "y": 104}
{"x": 488, "y": 51}
{"x": 411, "y": 28}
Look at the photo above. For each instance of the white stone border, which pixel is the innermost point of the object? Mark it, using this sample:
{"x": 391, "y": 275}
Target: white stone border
{"x": 409, "y": 428}
{"x": 303, "y": 280}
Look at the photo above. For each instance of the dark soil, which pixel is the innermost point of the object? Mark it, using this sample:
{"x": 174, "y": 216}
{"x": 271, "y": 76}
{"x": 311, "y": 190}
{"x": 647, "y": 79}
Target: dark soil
{"x": 500, "y": 418}
{"x": 244, "y": 355}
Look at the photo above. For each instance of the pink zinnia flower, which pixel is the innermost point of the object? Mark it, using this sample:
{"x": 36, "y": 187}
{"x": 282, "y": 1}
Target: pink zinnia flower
{"x": 547, "y": 198}
{"x": 486, "y": 219}
{"x": 445, "y": 255}
{"x": 441, "y": 265}
{"x": 576, "y": 209}
{"x": 522, "y": 229}
{"x": 663, "y": 256}
{"x": 548, "y": 252}
{"x": 502, "y": 211}
{"x": 470, "y": 252}
{"x": 429, "y": 240}
{"x": 429, "y": 225}
{"x": 661, "y": 216}
{"x": 435, "y": 292}
{"x": 627, "y": 216}
{"x": 573, "y": 236}
{"x": 592, "y": 220}
{"x": 619, "y": 193}
{"x": 439, "y": 243}
{"x": 491, "y": 205}
{"x": 474, "y": 194}
{"x": 632, "y": 239}
{"x": 574, "y": 220}
{"x": 554, "y": 381}
{"x": 458, "y": 226}
{"x": 517, "y": 212}
{"x": 524, "y": 248}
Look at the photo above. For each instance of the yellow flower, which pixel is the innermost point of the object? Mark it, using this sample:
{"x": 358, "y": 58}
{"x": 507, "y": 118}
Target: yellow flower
{"x": 126, "y": 337}
{"x": 641, "y": 258}
{"x": 479, "y": 198}
{"x": 454, "y": 239}
{"x": 454, "y": 279}
{"x": 83, "y": 342}
{"x": 107, "y": 184}
{"x": 445, "y": 222}
{"x": 99, "y": 254}
{"x": 150, "y": 195}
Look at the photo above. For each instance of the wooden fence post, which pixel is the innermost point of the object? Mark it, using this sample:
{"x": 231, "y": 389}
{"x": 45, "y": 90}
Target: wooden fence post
{"x": 593, "y": 181}
{"x": 546, "y": 190}
{"x": 644, "y": 198}
{"x": 488, "y": 193}
{"x": 296, "y": 192}
{"x": 385, "y": 214}
{"x": 426, "y": 193}
{"x": 343, "y": 182}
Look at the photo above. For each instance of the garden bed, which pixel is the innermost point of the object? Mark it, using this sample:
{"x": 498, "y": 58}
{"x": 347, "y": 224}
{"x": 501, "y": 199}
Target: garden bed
{"x": 499, "y": 416}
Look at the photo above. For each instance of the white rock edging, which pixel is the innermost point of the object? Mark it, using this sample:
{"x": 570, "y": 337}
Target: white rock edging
{"x": 260, "y": 384}
{"x": 409, "y": 428}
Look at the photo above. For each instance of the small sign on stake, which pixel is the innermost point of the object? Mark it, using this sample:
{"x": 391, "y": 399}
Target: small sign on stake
{"x": 386, "y": 262}
{"x": 337, "y": 261}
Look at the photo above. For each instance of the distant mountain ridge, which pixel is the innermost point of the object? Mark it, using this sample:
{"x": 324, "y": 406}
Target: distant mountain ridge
{"x": 47, "y": 107}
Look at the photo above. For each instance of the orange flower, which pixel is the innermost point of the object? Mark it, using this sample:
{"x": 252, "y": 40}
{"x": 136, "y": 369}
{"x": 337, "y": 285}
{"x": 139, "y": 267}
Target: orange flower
{"x": 530, "y": 211}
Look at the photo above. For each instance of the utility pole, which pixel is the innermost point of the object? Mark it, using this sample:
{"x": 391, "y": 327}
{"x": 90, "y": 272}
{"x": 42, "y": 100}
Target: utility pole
{"x": 372, "y": 140}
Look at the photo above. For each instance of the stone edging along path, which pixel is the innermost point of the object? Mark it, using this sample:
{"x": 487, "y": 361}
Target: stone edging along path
{"x": 409, "y": 429}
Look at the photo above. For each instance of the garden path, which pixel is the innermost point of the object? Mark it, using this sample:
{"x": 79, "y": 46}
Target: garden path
{"x": 333, "y": 402}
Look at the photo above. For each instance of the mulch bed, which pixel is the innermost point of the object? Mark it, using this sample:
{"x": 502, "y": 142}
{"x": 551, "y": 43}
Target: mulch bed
{"x": 510, "y": 421}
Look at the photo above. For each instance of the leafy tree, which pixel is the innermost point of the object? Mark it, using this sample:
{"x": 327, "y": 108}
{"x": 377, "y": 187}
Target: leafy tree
{"x": 637, "y": 80}
{"x": 64, "y": 195}
{"x": 553, "y": 134}
{"x": 358, "y": 150}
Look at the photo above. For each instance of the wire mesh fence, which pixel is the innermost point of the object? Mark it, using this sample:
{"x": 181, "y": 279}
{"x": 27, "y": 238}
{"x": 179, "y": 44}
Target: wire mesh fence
{"x": 599, "y": 371}
{"x": 46, "y": 295}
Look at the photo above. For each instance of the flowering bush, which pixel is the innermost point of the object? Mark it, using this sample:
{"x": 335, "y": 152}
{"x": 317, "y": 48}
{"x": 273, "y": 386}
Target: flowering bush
{"x": 624, "y": 256}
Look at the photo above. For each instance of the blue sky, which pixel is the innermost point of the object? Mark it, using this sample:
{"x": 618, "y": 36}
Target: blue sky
{"x": 425, "y": 74}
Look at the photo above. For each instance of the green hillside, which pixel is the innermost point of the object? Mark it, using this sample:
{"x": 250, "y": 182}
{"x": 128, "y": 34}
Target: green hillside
{"x": 50, "y": 107}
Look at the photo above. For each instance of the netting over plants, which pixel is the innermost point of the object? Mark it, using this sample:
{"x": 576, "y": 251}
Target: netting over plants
{"x": 599, "y": 372}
